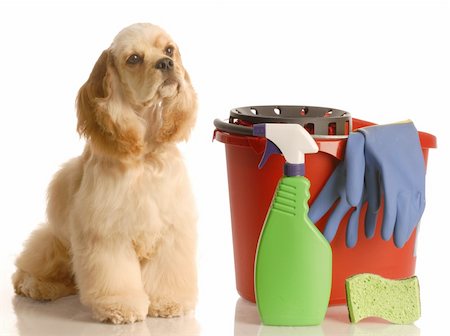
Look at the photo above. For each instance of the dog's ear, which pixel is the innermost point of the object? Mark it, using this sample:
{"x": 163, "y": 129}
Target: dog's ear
{"x": 179, "y": 113}
{"x": 97, "y": 88}
{"x": 94, "y": 100}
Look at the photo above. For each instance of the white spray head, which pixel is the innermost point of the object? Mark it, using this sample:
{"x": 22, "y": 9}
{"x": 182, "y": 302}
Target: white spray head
{"x": 292, "y": 140}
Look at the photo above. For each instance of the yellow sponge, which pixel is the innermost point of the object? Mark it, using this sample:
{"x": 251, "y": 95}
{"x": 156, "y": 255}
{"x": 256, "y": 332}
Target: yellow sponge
{"x": 397, "y": 301}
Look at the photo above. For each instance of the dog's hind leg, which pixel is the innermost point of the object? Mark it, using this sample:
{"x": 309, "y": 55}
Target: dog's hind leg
{"x": 44, "y": 269}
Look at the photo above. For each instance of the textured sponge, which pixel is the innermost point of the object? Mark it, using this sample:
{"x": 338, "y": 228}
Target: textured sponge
{"x": 397, "y": 301}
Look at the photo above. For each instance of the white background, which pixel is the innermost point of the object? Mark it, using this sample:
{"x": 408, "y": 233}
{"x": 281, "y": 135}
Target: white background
{"x": 383, "y": 61}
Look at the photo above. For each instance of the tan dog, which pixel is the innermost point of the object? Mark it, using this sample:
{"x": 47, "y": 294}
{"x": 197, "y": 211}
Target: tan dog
{"x": 121, "y": 226}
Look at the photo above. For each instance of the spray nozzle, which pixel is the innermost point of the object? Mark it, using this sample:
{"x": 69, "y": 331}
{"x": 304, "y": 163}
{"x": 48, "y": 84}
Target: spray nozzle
{"x": 290, "y": 140}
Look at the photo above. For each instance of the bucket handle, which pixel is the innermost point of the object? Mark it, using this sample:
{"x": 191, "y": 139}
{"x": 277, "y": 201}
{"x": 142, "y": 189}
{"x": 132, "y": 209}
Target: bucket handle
{"x": 248, "y": 130}
{"x": 233, "y": 128}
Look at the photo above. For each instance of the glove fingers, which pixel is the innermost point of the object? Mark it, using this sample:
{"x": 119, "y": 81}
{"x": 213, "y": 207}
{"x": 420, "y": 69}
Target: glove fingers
{"x": 327, "y": 196}
{"x": 373, "y": 189}
{"x": 335, "y": 219}
{"x": 390, "y": 216}
{"x": 420, "y": 201}
{"x": 403, "y": 223}
{"x": 409, "y": 214}
{"x": 370, "y": 223}
{"x": 373, "y": 201}
{"x": 354, "y": 167}
{"x": 352, "y": 228}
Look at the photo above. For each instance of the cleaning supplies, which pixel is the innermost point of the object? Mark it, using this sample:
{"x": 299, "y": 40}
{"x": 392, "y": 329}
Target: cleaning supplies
{"x": 397, "y": 301}
{"x": 293, "y": 259}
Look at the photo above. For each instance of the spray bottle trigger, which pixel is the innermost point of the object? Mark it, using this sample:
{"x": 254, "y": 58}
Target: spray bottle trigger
{"x": 270, "y": 149}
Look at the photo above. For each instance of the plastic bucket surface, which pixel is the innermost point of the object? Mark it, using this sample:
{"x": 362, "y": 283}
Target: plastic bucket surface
{"x": 251, "y": 191}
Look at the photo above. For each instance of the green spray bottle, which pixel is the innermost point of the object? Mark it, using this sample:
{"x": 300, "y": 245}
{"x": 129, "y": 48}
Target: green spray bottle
{"x": 293, "y": 259}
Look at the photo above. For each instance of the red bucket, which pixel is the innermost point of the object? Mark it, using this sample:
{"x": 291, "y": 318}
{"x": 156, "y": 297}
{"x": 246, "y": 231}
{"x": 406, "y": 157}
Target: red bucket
{"x": 251, "y": 191}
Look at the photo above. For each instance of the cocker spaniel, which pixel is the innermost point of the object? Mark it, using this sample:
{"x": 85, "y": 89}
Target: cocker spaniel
{"x": 121, "y": 227}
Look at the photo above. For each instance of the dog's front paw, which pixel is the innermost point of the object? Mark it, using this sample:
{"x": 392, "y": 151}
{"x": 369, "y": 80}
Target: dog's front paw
{"x": 165, "y": 308}
{"x": 119, "y": 309}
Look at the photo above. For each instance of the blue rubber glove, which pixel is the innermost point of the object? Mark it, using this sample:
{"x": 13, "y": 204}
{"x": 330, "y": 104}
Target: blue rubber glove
{"x": 395, "y": 170}
{"x": 345, "y": 186}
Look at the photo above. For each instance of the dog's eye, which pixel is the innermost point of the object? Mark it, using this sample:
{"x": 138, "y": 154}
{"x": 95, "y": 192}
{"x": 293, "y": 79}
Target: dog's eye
{"x": 169, "y": 51}
{"x": 134, "y": 59}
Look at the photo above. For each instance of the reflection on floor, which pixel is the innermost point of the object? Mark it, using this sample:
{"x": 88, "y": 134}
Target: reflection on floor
{"x": 68, "y": 317}
{"x": 336, "y": 322}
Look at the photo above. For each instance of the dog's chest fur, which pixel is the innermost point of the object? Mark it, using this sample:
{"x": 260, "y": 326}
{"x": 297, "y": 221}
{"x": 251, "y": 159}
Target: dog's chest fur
{"x": 143, "y": 202}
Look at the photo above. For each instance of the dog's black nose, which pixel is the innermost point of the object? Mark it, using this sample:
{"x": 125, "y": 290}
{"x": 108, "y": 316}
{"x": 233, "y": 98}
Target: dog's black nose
{"x": 164, "y": 64}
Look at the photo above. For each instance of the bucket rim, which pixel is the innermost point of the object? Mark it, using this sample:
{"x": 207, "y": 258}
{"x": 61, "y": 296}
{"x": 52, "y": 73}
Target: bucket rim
{"x": 427, "y": 140}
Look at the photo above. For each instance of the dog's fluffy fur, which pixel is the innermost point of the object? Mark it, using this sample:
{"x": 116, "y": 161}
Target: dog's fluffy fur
{"x": 121, "y": 227}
